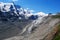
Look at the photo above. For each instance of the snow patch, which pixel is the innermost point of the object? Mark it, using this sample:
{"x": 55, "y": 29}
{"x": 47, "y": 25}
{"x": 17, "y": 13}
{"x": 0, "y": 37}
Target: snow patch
{"x": 41, "y": 14}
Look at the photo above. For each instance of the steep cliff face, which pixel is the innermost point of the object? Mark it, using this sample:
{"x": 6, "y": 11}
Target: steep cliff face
{"x": 51, "y": 35}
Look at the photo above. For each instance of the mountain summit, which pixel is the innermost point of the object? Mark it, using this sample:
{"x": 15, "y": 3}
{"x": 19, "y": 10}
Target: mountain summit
{"x": 12, "y": 11}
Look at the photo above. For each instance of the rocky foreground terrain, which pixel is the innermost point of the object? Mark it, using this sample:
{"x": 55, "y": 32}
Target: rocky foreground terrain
{"x": 43, "y": 31}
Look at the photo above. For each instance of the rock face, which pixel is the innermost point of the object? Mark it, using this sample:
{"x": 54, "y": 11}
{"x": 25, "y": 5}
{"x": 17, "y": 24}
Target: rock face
{"x": 51, "y": 34}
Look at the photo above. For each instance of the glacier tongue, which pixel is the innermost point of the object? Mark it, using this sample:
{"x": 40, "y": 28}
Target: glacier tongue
{"x": 32, "y": 25}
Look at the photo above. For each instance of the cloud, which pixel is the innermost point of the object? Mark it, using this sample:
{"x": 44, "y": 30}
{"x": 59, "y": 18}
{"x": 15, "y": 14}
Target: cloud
{"x": 31, "y": 11}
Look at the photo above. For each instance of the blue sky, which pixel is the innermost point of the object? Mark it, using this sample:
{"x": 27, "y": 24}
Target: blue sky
{"x": 46, "y": 6}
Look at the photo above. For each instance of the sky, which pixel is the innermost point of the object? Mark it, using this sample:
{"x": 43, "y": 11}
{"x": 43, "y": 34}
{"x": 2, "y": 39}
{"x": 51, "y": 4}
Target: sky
{"x": 46, "y": 6}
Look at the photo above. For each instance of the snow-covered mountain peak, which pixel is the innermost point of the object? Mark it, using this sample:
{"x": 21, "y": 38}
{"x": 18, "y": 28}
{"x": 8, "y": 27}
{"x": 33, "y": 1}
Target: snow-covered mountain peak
{"x": 10, "y": 10}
